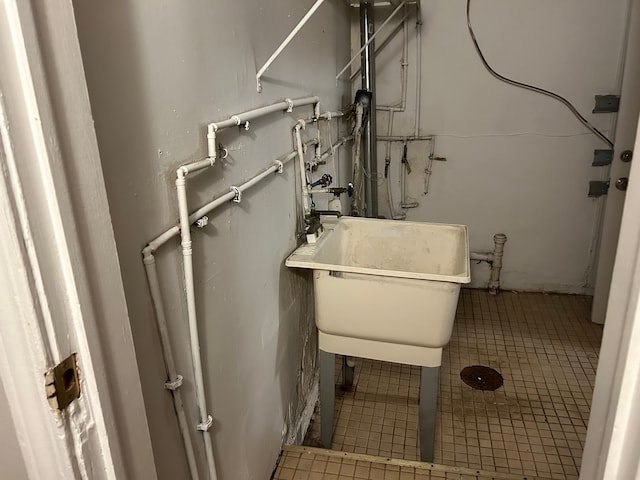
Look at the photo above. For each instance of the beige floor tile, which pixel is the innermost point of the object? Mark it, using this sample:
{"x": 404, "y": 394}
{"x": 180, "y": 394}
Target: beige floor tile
{"x": 546, "y": 349}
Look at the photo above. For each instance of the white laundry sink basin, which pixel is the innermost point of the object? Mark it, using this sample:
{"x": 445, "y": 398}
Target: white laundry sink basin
{"x": 386, "y": 289}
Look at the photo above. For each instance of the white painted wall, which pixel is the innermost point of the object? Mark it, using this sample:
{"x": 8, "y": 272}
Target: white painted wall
{"x": 518, "y": 162}
{"x": 157, "y": 73}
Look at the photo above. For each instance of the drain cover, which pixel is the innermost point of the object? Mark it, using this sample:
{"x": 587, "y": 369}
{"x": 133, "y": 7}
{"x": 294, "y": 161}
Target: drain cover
{"x": 481, "y": 378}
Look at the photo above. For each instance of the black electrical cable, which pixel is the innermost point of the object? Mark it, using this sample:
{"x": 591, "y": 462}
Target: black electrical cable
{"x": 542, "y": 91}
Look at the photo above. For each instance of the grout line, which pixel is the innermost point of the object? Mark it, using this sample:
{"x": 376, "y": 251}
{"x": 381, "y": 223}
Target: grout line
{"x": 408, "y": 463}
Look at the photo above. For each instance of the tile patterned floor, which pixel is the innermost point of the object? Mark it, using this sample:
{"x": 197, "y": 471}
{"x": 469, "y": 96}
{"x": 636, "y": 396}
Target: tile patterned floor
{"x": 304, "y": 463}
{"x": 545, "y": 347}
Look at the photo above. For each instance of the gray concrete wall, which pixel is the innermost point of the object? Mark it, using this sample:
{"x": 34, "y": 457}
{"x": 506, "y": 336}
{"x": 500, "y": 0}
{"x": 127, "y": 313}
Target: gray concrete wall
{"x": 517, "y": 162}
{"x": 157, "y": 73}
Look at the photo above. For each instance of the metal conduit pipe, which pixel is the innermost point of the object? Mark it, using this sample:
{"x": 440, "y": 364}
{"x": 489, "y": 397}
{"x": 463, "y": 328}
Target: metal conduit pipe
{"x": 404, "y": 64}
{"x": 494, "y": 259}
{"x": 370, "y": 157}
{"x": 418, "y": 71}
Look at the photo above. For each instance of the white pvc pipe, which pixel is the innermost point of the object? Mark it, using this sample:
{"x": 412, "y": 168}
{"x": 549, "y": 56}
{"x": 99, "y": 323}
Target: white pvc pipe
{"x": 357, "y": 167}
{"x": 495, "y": 261}
{"x": 245, "y": 117}
{"x": 429, "y": 170}
{"x": 481, "y": 257}
{"x": 306, "y": 203}
{"x": 336, "y": 145}
{"x": 198, "y": 375}
{"x": 496, "y": 267}
{"x": 286, "y": 42}
{"x": 174, "y": 381}
{"x": 404, "y": 138}
{"x": 404, "y": 64}
{"x": 357, "y": 55}
{"x": 403, "y": 188}
{"x": 227, "y": 197}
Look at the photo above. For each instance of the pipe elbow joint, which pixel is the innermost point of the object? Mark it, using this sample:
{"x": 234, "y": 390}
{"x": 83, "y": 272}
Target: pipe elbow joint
{"x": 181, "y": 175}
{"x": 148, "y": 257}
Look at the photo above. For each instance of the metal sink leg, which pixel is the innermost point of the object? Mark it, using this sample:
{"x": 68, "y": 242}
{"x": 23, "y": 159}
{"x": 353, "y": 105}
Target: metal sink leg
{"x": 429, "y": 381}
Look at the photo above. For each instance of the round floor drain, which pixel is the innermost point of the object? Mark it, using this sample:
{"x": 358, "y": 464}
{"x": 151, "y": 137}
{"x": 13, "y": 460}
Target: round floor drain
{"x": 481, "y": 378}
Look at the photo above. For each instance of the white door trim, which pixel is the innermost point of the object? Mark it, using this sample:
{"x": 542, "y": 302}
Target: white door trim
{"x": 613, "y": 435}
{"x": 61, "y": 297}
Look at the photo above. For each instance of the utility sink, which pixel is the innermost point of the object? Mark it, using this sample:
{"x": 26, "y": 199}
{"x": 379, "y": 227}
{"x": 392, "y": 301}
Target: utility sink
{"x": 386, "y": 289}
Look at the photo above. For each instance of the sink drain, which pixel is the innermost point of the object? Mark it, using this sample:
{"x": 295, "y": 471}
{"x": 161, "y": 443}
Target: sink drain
{"x": 481, "y": 378}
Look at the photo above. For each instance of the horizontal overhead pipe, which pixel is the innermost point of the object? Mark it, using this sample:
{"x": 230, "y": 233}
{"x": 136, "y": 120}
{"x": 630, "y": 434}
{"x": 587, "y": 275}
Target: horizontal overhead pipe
{"x": 238, "y": 119}
{"x": 403, "y": 139}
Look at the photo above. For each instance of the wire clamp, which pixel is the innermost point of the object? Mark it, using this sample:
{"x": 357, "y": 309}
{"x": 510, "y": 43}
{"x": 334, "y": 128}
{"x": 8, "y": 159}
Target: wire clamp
{"x": 205, "y": 426}
{"x": 280, "y": 166}
{"x": 174, "y": 385}
{"x": 289, "y": 105}
{"x": 237, "y": 198}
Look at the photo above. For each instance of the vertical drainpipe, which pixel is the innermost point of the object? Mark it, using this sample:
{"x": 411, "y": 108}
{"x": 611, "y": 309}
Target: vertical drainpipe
{"x": 370, "y": 158}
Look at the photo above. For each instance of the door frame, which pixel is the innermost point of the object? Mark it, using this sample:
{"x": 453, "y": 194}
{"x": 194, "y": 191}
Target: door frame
{"x": 58, "y": 263}
{"x": 613, "y": 432}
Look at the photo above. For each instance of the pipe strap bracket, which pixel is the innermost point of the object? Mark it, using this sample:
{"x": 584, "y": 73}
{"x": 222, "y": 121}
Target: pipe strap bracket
{"x": 174, "y": 385}
{"x": 280, "y": 166}
{"x": 237, "y": 198}
{"x": 205, "y": 426}
{"x": 201, "y": 222}
{"x": 289, "y": 105}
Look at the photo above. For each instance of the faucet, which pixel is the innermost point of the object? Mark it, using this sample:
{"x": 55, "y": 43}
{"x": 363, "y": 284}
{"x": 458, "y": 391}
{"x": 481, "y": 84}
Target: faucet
{"x": 312, "y": 220}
